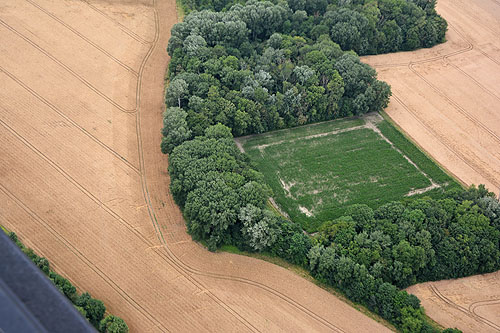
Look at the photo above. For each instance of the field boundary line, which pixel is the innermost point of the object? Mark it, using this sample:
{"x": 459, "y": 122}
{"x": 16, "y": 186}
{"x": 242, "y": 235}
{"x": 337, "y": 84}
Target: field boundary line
{"x": 451, "y": 54}
{"x": 61, "y": 114}
{"x": 64, "y": 24}
{"x": 176, "y": 259}
{"x": 421, "y": 149}
{"x": 443, "y": 141}
{"x": 82, "y": 257}
{"x": 125, "y": 29}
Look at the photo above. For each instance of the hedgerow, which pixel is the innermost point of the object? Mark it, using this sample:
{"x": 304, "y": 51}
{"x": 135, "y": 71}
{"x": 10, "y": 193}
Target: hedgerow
{"x": 89, "y": 307}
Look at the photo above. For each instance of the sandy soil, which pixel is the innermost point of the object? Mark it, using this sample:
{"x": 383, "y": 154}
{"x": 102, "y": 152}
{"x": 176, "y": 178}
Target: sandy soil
{"x": 447, "y": 97}
{"x": 83, "y": 181}
{"x": 471, "y": 304}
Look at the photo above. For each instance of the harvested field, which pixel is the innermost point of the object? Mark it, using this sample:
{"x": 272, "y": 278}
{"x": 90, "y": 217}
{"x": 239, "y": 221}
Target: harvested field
{"x": 472, "y": 304}
{"x": 83, "y": 181}
{"x": 317, "y": 171}
{"x": 447, "y": 99}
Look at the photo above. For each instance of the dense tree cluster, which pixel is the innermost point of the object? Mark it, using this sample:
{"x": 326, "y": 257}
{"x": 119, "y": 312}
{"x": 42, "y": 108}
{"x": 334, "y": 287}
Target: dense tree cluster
{"x": 224, "y": 198}
{"x": 364, "y": 26}
{"x": 89, "y": 307}
{"x": 370, "y": 26}
{"x": 240, "y": 68}
{"x": 370, "y": 254}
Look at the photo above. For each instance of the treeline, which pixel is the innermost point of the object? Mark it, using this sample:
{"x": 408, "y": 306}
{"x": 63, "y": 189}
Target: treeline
{"x": 368, "y": 254}
{"x": 89, "y": 307}
{"x": 364, "y": 26}
{"x": 224, "y": 198}
{"x": 242, "y": 69}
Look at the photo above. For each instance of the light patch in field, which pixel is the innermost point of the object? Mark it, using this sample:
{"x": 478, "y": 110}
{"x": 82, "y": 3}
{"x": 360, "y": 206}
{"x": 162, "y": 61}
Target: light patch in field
{"x": 306, "y": 211}
{"x": 287, "y": 186}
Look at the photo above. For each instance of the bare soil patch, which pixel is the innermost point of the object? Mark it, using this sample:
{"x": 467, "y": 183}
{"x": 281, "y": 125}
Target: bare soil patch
{"x": 83, "y": 181}
{"x": 447, "y": 99}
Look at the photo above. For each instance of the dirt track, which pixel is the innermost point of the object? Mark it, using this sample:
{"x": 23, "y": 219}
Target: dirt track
{"x": 82, "y": 180}
{"x": 472, "y": 304}
{"x": 447, "y": 99}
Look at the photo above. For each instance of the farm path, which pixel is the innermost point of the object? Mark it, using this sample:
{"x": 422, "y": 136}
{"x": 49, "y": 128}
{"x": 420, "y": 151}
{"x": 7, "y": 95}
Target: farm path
{"x": 83, "y": 182}
{"x": 447, "y": 99}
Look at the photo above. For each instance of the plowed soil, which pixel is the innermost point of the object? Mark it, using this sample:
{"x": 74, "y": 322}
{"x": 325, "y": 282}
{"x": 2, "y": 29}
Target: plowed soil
{"x": 447, "y": 99}
{"x": 83, "y": 181}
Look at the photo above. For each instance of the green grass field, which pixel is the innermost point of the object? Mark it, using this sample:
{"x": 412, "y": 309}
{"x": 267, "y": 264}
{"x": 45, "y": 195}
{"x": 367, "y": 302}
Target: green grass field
{"x": 317, "y": 171}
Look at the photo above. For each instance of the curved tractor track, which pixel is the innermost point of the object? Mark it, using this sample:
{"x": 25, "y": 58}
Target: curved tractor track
{"x": 471, "y": 304}
{"x": 83, "y": 182}
{"x": 447, "y": 100}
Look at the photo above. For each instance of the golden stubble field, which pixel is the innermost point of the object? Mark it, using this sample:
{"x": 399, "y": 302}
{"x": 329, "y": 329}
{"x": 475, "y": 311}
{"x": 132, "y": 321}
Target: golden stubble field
{"x": 447, "y": 99}
{"x": 83, "y": 181}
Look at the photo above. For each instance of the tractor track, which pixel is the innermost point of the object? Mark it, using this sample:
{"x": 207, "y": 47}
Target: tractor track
{"x": 68, "y": 119}
{"x": 183, "y": 266}
{"x": 486, "y": 90}
{"x": 83, "y": 258}
{"x": 455, "y": 105}
{"x": 475, "y": 305}
{"x": 60, "y": 63}
{"x": 410, "y": 65}
{"x": 467, "y": 312}
{"x": 116, "y": 22}
{"x": 469, "y": 47}
{"x": 445, "y": 142}
{"x": 67, "y": 26}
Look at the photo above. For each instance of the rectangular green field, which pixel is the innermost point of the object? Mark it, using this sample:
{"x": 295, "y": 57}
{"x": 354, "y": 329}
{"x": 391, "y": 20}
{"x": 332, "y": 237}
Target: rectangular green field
{"x": 317, "y": 171}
